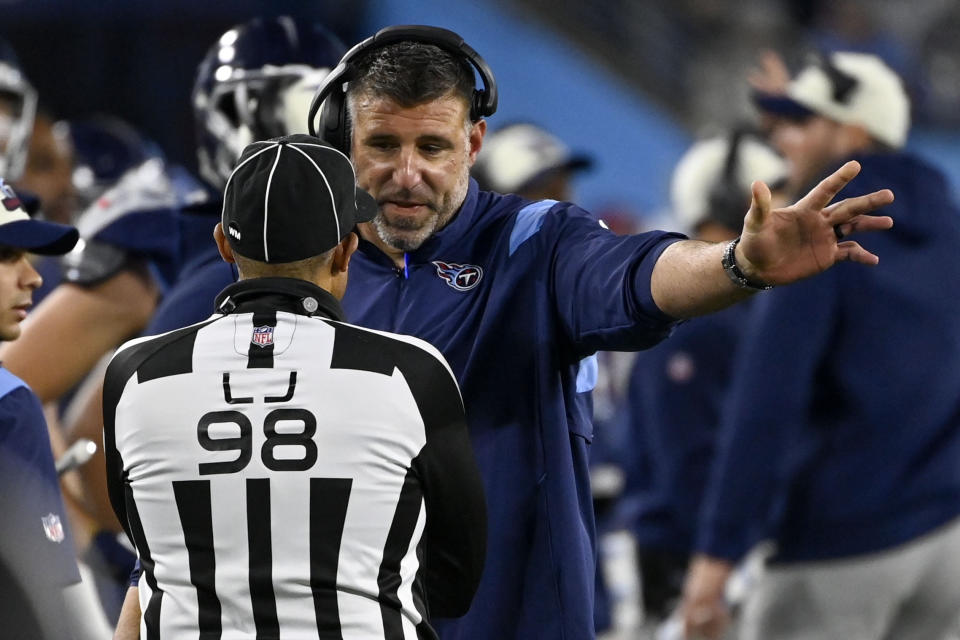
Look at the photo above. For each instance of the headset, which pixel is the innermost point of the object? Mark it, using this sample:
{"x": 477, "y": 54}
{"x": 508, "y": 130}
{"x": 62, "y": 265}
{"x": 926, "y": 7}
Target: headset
{"x": 330, "y": 98}
{"x": 842, "y": 83}
{"x": 726, "y": 199}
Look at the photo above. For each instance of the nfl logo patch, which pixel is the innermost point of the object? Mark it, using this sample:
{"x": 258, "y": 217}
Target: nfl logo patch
{"x": 262, "y": 336}
{"x": 52, "y": 527}
{"x": 8, "y": 197}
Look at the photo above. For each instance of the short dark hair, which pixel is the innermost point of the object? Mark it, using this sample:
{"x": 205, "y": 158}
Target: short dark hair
{"x": 412, "y": 73}
{"x": 300, "y": 269}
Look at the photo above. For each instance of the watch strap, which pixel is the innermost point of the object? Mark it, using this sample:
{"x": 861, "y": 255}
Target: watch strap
{"x": 733, "y": 271}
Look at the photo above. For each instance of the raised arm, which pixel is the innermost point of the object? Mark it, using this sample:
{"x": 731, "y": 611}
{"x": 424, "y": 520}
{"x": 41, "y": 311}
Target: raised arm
{"x": 777, "y": 246}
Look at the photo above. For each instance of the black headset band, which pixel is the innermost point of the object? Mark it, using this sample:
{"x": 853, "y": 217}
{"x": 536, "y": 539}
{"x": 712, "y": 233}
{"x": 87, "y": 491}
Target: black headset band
{"x": 443, "y": 38}
{"x": 842, "y": 83}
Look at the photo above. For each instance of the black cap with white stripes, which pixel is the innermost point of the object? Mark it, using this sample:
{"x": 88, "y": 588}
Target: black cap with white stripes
{"x": 292, "y": 198}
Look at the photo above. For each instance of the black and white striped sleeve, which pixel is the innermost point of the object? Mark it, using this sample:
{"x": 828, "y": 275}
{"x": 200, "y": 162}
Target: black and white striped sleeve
{"x": 455, "y": 536}
{"x": 130, "y": 360}
{"x": 454, "y": 540}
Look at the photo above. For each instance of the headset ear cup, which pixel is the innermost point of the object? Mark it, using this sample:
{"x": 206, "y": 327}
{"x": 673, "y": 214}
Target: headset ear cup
{"x": 476, "y": 109}
{"x": 333, "y": 122}
{"x": 344, "y": 138}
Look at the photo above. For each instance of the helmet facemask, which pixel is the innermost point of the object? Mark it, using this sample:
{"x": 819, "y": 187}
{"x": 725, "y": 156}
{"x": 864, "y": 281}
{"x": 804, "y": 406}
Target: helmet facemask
{"x": 18, "y": 107}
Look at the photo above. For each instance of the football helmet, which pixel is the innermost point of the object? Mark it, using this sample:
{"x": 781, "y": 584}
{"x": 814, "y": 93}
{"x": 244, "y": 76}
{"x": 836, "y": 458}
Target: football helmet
{"x": 105, "y": 148}
{"x": 18, "y": 107}
{"x": 255, "y": 83}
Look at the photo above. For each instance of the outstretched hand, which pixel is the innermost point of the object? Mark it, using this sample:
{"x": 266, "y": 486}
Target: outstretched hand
{"x": 780, "y": 246}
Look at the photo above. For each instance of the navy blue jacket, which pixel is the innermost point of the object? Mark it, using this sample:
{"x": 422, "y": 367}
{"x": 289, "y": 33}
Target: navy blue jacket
{"x": 35, "y": 540}
{"x": 676, "y": 397}
{"x": 843, "y": 434}
{"x": 515, "y": 294}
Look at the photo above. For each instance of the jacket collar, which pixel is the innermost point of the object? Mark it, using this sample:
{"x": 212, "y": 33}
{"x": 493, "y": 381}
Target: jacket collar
{"x": 279, "y": 294}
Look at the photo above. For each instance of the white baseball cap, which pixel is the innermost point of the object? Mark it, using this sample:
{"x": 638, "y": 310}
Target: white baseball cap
{"x": 712, "y": 180}
{"x": 518, "y": 154}
{"x": 852, "y": 88}
{"x": 19, "y": 230}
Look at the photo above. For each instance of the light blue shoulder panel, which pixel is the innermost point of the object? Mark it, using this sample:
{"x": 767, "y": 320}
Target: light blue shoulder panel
{"x": 528, "y": 222}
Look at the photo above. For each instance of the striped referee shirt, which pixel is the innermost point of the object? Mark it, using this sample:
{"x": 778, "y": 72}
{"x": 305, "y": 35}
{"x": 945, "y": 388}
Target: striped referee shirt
{"x": 284, "y": 474}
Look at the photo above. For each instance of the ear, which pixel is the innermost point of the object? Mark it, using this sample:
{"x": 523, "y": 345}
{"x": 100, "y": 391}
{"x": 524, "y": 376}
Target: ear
{"x": 477, "y": 131}
{"x": 226, "y": 252}
{"x": 343, "y": 253}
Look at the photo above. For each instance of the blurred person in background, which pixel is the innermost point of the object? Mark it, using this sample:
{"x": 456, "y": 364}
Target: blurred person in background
{"x": 528, "y": 160}
{"x": 97, "y": 151}
{"x": 49, "y": 169}
{"x": 38, "y": 567}
{"x": 110, "y": 283}
{"x": 677, "y": 388}
{"x": 842, "y": 435}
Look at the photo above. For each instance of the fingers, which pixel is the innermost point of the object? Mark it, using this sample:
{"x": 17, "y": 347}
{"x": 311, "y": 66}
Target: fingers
{"x": 865, "y": 223}
{"x": 821, "y": 195}
{"x": 850, "y": 251}
{"x": 847, "y": 210}
{"x": 759, "y": 205}
{"x": 772, "y": 76}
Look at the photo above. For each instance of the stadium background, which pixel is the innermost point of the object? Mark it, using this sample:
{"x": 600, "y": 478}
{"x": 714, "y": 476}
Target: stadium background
{"x": 629, "y": 81}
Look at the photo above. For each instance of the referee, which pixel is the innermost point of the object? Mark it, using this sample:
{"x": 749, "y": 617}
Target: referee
{"x": 280, "y": 472}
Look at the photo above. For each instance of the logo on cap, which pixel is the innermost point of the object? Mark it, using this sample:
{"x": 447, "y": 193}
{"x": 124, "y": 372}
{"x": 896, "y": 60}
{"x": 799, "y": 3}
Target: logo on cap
{"x": 262, "y": 336}
{"x": 233, "y": 230}
{"x": 52, "y": 527}
{"x": 10, "y": 200}
{"x": 461, "y": 277}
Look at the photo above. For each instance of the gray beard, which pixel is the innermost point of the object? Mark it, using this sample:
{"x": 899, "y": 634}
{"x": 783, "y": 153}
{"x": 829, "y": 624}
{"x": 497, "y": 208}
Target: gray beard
{"x": 392, "y": 234}
{"x": 400, "y": 237}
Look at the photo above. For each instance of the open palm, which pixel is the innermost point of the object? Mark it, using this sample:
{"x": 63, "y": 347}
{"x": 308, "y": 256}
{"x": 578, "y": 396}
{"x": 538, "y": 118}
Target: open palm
{"x": 784, "y": 245}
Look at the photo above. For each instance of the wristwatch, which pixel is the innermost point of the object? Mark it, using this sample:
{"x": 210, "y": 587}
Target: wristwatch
{"x": 729, "y": 262}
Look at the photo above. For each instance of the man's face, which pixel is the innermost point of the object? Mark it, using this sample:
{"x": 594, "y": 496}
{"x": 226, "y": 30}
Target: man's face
{"x": 415, "y": 161}
{"x": 810, "y": 145}
{"x": 18, "y": 279}
{"x": 49, "y": 170}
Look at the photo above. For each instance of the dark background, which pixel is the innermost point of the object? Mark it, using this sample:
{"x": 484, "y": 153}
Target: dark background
{"x": 138, "y": 59}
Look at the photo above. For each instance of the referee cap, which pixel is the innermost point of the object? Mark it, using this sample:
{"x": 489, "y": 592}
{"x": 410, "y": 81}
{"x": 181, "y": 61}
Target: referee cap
{"x": 292, "y": 198}
{"x": 851, "y": 88}
{"x": 19, "y": 230}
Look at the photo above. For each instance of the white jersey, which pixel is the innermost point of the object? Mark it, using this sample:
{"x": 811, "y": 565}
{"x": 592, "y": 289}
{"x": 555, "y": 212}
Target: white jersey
{"x": 286, "y": 475}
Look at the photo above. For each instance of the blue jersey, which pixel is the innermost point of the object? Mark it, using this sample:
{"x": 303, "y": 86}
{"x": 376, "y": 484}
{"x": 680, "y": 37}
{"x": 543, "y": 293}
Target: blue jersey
{"x": 516, "y": 294}
{"x": 843, "y": 434}
{"x": 136, "y": 219}
{"x": 35, "y": 540}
